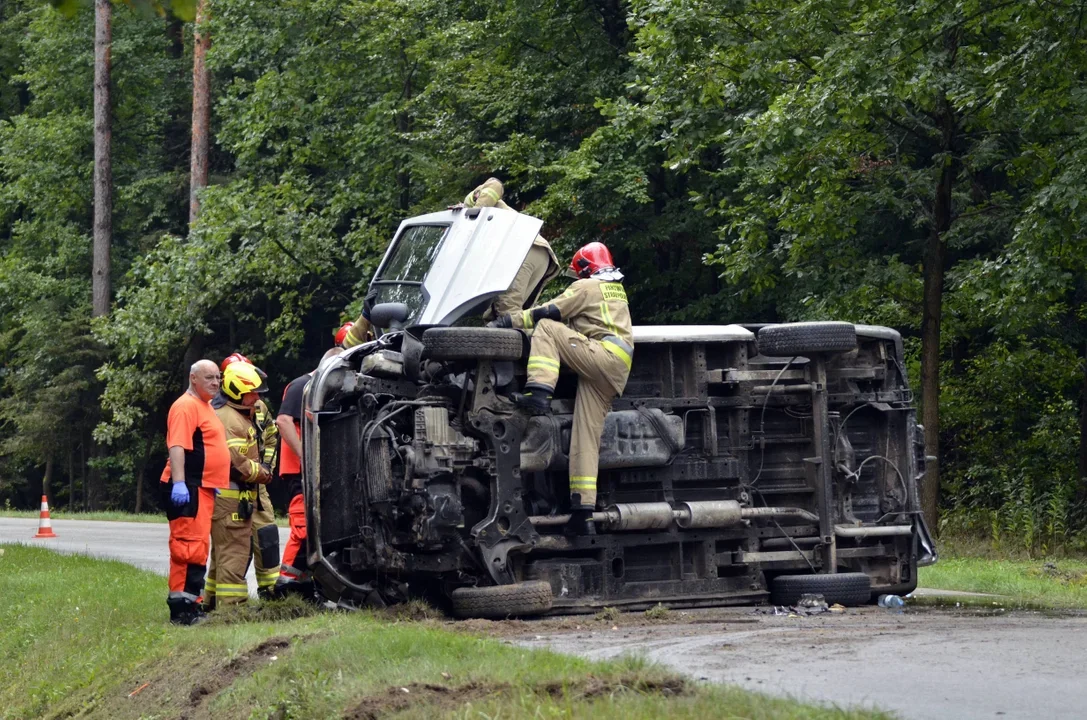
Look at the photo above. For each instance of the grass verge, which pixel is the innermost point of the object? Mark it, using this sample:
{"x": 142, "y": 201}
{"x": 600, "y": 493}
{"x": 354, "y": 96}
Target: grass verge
{"x": 104, "y": 515}
{"x": 89, "y": 638}
{"x": 1043, "y": 583}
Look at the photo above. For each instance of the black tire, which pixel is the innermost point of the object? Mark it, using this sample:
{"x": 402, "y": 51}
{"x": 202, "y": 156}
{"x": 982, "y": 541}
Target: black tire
{"x": 807, "y": 337}
{"x": 847, "y": 589}
{"x": 501, "y": 601}
{"x": 457, "y": 343}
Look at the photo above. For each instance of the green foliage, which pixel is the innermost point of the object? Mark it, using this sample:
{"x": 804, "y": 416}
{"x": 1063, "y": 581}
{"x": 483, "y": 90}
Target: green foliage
{"x": 753, "y": 161}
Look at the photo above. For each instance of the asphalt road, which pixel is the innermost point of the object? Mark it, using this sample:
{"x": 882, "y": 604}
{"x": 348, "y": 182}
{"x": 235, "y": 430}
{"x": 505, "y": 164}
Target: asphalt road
{"x": 921, "y": 663}
{"x": 144, "y": 545}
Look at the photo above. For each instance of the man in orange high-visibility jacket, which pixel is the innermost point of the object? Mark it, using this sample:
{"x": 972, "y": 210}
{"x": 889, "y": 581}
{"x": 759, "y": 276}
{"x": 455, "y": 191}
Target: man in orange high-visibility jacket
{"x": 199, "y": 464}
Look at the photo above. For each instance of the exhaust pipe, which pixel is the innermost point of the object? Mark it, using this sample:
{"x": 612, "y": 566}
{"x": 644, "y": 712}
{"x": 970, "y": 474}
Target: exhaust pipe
{"x": 688, "y": 515}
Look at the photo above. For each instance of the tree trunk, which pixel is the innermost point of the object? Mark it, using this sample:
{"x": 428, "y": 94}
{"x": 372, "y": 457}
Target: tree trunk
{"x": 139, "y": 487}
{"x": 71, "y": 476}
{"x": 201, "y": 111}
{"x": 140, "y": 468}
{"x": 83, "y": 473}
{"x": 95, "y": 488}
{"x": 403, "y": 127}
{"x": 103, "y": 171}
{"x": 47, "y": 481}
{"x": 1083, "y": 431}
{"x": 193, "y": 352}
{"x": 935, "y": 258}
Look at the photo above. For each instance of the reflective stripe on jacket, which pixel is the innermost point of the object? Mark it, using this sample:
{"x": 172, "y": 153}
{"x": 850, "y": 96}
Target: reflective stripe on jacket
{"x": 241, "y": 439}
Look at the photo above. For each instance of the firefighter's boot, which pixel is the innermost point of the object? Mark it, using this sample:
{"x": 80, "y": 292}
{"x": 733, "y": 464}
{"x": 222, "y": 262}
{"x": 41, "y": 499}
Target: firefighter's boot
{"x": 185, "y": 612}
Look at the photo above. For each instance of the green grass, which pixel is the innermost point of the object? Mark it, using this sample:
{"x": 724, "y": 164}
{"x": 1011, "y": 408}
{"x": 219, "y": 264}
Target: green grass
{"x": 1054, "y": 583}
{"x": 106, "y": 515}
{"x": 77, "y": 636}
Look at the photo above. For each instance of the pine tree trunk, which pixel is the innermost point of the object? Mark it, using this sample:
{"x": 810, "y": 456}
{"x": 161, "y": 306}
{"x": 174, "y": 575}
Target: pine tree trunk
{"x": 47, "y": 481}
{"x": 201, "y": 111}
{"x": 103, "y": 171}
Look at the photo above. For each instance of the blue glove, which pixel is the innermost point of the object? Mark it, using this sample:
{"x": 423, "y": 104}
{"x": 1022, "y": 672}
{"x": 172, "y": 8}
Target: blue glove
{"x": 179, "y": 494}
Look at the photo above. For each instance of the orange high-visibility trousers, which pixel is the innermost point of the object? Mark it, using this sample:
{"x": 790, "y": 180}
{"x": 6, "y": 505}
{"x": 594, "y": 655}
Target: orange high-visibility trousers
{"x": 295, "y": 563}
{"x": 189, "y": 541}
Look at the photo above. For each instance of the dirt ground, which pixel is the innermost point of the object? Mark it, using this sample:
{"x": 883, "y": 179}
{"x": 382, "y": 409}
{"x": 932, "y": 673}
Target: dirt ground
{"x": 919, "y": 663}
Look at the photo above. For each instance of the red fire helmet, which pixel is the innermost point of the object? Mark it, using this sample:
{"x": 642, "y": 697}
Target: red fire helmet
{"x": 341, "y": 334}
{"x": 233, "y": 358}
{"x": 591, "y": 259}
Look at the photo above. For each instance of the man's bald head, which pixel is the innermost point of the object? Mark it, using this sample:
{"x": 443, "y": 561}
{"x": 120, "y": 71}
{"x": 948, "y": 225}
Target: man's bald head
{"x": 204, "y": 379}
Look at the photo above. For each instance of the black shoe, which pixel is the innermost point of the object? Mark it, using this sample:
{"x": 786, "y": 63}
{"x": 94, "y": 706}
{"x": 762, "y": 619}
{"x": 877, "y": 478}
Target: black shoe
{"x": 270, "y": 593}
{"x": 536, "y": 399}
{"x": 185, "y": 612}
{"x": 581, "y": 523}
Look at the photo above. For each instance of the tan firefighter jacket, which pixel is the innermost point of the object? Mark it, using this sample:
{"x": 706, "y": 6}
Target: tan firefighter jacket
{"x": 243, "y": 440}
{"x": 595, "y": 308}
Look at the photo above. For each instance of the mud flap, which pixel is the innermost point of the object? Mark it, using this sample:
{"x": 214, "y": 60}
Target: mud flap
{"x": 268, "y": 542}
{"x": 926, "y": 547}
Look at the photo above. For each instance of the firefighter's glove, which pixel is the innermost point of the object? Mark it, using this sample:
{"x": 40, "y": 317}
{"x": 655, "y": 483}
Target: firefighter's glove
{"x": 503, "y": 321}
{"x": 265, "y": 475}
{"x": 179, "y": 494}
{"x": 245, "y": 509}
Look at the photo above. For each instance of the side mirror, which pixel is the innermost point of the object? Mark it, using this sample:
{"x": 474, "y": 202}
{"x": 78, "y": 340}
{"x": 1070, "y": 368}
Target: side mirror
{"x": 389, "y": 315}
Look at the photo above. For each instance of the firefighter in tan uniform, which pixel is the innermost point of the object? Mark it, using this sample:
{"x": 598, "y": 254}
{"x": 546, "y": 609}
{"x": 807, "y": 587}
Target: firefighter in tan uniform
{"x": 232, "y": 520}
{"x": 265, "y": 545}
{"x": 588, "y": 330}
{"x": 539, "y": 268}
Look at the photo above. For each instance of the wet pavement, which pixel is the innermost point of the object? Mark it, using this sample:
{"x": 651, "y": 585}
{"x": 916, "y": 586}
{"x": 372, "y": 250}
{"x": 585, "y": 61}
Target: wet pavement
{"x": 919, "y": 663}
{"x": 144, "y": 545}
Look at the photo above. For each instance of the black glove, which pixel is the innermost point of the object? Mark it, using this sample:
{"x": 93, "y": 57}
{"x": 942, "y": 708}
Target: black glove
{"x": 503, "y": 321}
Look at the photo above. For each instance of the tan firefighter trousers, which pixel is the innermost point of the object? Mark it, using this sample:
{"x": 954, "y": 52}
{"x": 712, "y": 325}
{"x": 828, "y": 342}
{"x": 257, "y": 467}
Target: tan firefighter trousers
{"x": 231, "y": 536}
{"x": 265, "y": 541}
{"x": 601, "y": 374}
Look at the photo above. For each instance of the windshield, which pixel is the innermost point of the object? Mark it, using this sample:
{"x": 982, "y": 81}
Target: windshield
{"x": 401, "y": 278}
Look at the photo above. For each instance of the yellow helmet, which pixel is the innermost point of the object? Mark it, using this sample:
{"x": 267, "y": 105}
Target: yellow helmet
{"x": 240, "y": 378}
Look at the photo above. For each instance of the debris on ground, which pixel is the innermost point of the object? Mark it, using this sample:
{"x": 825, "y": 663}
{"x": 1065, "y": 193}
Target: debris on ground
{"x": 809, "y": 604}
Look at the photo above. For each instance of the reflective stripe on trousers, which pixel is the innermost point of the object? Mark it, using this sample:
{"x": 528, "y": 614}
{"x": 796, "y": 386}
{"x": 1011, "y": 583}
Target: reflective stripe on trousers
{"x": 230, "y": 542}
{"x": 601, "y": 371}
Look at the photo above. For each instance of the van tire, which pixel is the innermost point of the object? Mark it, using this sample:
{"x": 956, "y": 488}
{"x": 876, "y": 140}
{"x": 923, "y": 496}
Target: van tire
{"x": 849, "y": 589}
{"x": 805, "y": 338}
{"x": 468, "y": 343}
{"x": 501, "y": 601}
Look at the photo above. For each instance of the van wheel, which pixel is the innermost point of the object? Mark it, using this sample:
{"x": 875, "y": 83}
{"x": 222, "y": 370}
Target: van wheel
{"x": 848, "y": 589}
{"x": 501, "y": 601}
{"x": 468, "y": 343}
{"x": 807, "y": 337}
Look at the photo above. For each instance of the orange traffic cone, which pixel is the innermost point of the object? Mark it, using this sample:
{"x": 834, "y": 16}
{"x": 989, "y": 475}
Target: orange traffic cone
{"x": 45, "y": 528}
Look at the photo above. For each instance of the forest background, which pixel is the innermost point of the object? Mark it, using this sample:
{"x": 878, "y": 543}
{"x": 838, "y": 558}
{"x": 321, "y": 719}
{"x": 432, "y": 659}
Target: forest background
{"x": 912, "y": 164}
